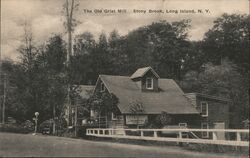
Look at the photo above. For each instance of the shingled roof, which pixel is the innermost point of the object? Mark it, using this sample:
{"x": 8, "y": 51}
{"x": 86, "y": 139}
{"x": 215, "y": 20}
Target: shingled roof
{"x": 140, "y": 72}
{"x": 170, "y": 98}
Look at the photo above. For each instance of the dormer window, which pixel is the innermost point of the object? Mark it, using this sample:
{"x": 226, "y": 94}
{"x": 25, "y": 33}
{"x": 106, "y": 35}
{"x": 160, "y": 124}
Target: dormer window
{"x": 146, "y": 79}
{"x": 102, "y": 87}
{"x": 149, "y": 83}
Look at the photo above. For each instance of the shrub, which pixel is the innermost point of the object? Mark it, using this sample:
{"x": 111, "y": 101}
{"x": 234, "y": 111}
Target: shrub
{"x": 217, "y": 148}
{"x": 15, "y": 128}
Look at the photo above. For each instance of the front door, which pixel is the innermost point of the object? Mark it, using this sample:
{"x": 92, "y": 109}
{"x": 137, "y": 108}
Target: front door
{"x": 220, "y": 125}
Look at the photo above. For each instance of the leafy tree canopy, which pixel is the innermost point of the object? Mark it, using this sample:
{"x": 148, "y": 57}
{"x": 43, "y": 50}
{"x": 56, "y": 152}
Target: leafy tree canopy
{"x": 229, "y": 38}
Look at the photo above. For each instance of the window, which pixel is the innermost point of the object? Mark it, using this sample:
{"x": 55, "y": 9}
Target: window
{"x": 204, "y": 109}
{"x": 102, "y": 87}
{"x": 113, "y": 116}
{"x": 204, "y": 125}
{"x": 149, "y": 83}
{"x": 184, "y": 125}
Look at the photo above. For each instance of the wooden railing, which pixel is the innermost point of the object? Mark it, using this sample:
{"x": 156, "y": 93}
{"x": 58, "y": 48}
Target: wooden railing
{"x": 156, "y": 135}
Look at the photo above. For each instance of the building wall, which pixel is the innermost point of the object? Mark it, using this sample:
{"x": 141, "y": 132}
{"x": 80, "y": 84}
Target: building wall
{"x": 98, "y": 87}
{"x": 192, "y": 120}
{"x": 218, "y": 111}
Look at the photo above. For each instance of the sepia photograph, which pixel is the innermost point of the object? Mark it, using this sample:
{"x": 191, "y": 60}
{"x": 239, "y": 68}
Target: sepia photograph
{"x": 125, "y": 78}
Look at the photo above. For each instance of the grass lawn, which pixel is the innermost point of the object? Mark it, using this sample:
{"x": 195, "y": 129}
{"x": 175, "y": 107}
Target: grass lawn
{"x": 23, "y": 145}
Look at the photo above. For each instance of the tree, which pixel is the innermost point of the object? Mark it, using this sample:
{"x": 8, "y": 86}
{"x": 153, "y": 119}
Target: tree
{"x": 136, "y": 108}
{"x": 113, "y": 39}
{"x": 13, "y": 107}
{"x": 163, "y": 119}
{"x": 162, "y": 45}
{"x": 69, "y": 24}
{"x": 101, "y": 57}
{"x": 103, "y": 103}
{"x": 81, "y": 68}
{"x": 190, "y": 82}
{"x": 69, "y": 10}
{"x": 22, "y": 91}
{"x": 53, "y": 68}
{"x": 27, "y": 49}
{"x": 193, "y": 59}
{"x": 27, "y": 85}
{"x": 225, "y": 81}
{"x": 117, "y": 54}
{"x": 37, "y": 83}
{"x": 103, "y": 43}
{"x": 84, "y": 44}
{"x": 229, "y": 38}
{"x": 170, "y": 46}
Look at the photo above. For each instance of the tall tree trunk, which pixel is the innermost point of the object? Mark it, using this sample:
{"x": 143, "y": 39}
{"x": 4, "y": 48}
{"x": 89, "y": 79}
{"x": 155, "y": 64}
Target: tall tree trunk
{"x": 69, "y": 16}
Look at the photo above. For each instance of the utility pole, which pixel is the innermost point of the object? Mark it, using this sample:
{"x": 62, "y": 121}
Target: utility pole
{"x": 54, "y": 119}
{"x": 4, "y": 97}
{"x": 76, "y": 118}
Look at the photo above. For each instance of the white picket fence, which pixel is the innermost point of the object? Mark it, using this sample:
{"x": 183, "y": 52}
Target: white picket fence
{"x": 242, "y": 135}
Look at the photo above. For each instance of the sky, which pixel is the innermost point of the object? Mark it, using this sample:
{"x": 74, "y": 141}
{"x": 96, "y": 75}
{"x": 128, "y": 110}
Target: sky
{"x": 46, "y": 17}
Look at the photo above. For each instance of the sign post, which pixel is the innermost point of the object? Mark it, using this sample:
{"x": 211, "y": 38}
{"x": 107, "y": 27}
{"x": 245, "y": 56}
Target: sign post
{"x": 36, "y": 119}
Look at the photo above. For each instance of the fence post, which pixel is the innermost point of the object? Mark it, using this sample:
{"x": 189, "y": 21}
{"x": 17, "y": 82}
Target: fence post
{"x": 238, "y": 136}
{"x": 124, "y": 132}
{"x": 180, "y": 135}
{"x": 155, "y": 134}
{"x": 98, "y": 132}
{"x": 214, "y": 136}
{"x": 142, "y": 134}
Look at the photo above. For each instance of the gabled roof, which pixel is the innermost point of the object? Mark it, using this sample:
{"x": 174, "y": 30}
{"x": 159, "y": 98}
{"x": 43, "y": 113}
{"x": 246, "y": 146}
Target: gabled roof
{"x": 170, "y": 98}
{"x": 142, "y": 71}
{"x": 208, "y": 96}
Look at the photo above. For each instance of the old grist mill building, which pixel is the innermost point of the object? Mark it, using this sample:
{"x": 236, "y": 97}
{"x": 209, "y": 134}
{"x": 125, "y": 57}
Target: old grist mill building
{"x": 157, "y": 95}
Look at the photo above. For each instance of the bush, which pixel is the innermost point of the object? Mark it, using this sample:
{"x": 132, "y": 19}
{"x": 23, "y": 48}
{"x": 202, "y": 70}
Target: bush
{"x": 81, "y": 132}
{"x": 133, "y": 133}
{"x": 217, "y": 148}
{"x": 29, "y": 125}
{"x": 14, "y": 128}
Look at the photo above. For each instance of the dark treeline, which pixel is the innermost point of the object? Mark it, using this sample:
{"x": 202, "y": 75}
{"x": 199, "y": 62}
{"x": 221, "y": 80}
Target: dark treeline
{"x": 217, "y": 65}
{"x": 161, "y": 45}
